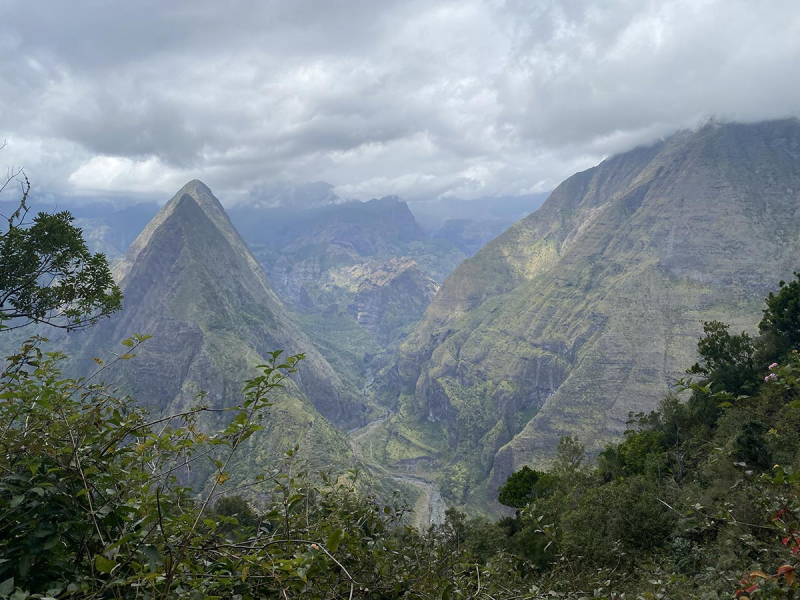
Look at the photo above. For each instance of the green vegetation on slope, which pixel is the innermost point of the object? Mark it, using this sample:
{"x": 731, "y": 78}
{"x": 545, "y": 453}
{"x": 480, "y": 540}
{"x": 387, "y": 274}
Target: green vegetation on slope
{"x": 699, "y": 499}
{"x": 191, "y": 282}
{"x": 591, "y": 307}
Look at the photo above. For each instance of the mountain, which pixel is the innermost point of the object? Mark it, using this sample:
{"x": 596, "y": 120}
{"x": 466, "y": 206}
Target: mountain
{"x": 304, "y": 195}
{"x": 391, "y": 298}
{"x": 113, "y": 233}
{"x": 591, "y": 307}
{"x": 469, "y": 224}
{"x": 357, "y": 276}
{"x": 190, "y": 276}
{"x": 190, "y": 281}
{"x": 433, "y": 214}
{"x": 469, "y": 235}
{"x": 366, "y": 228}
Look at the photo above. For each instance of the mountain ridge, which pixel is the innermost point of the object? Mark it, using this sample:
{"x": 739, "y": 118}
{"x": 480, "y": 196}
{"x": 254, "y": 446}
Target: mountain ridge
{"x": 586, "y": 309}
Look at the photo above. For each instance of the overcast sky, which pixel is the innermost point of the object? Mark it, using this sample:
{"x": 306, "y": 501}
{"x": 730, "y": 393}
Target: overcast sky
{"x": 419, "y": 99}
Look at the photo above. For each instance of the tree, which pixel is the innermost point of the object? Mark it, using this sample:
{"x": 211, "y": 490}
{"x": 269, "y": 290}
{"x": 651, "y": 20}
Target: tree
{"x": 524, "y": 486}
{"x": 729, "y": 361}
{"x": 47, "y": 274}
{"x": 782, "y": 315}
{"x": 569, "y": 456}
{"x": 235, "y": 508}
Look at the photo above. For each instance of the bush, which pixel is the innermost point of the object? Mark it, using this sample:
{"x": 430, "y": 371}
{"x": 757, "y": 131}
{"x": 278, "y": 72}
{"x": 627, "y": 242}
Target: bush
{"x": 92, "y": 505}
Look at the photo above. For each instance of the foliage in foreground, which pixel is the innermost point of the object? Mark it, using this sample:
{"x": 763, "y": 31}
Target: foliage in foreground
{"x": 700, "y": 500}
{"x": 94, "y": 504}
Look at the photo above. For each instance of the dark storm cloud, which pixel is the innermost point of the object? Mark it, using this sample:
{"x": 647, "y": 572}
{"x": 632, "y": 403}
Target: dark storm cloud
{"x": 419, "y": 99}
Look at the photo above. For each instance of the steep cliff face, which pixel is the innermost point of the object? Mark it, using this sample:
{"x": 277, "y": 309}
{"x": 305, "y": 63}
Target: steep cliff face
{"x": 306, "y": 252}
{"x": 191, "y": 282}
{"x": 591, "y": 307}
{"x": 392, "y": 298}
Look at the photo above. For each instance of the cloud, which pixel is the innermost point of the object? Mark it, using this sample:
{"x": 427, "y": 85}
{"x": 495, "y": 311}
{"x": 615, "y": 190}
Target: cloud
{"x": 111, "y": 173}
{"x": 421, "y": 99}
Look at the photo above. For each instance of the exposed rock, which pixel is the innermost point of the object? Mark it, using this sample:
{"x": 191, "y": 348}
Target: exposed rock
{"x": 591, "y": 307}
{"x": 358, "y": 275}
{"x": 391, "y": 298}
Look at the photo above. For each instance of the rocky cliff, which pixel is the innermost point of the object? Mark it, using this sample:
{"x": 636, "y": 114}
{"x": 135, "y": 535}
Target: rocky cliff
{"x": 391, "y": 298}
{"x": 590, "y": 308}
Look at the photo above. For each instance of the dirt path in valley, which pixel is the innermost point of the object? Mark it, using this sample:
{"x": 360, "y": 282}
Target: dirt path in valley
{"x": 429, "y": 508}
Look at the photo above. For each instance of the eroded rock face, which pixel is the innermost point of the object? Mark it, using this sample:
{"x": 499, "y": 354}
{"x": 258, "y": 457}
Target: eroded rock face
{"x": 392, "y": 298}
{"x": 190, "y": 281}
{"x": 591, "y": 307}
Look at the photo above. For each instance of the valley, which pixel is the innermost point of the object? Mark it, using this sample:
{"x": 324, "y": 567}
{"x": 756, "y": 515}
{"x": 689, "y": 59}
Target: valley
{"x": 439, "y": 370}
{"x": 343, "y": 283}
{"x": 428, "y": 508}
{"x": 444, "y": 372}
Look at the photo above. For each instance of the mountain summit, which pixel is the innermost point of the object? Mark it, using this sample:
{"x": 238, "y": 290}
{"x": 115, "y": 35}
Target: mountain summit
{"x": 199, "y": 193}
{"x": 591, "y": 307}
{"x": 190, "y": 281}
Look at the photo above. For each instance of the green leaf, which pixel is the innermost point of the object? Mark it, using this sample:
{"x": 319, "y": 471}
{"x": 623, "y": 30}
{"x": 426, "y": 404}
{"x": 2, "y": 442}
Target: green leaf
{"x": 447, "y": 592}
{"x": 24, "y": 566}
{"x": 335, "y": 539}
{"x": 51, "y": 542}
{"x": 153, "y": 557}
{"x": 295, "y": 500}
{"x": 103, "y": 564}
{"x": 7, "y": 587}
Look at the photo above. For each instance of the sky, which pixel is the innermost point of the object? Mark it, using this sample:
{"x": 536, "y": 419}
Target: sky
{"x": 420, "y": 99}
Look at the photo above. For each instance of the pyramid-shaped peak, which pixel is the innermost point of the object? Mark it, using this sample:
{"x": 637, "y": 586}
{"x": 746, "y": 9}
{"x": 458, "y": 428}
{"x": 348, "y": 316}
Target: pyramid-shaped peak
{"x": 199, "y": 193}
{"x": 204, "y": 197}
{"x": 195, "y": 187}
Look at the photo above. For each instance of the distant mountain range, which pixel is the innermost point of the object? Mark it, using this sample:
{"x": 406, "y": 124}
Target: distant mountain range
{"x": 358, "y": 275}
{"x": 433, "y": 214}
{"x": 273, "y": 214}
